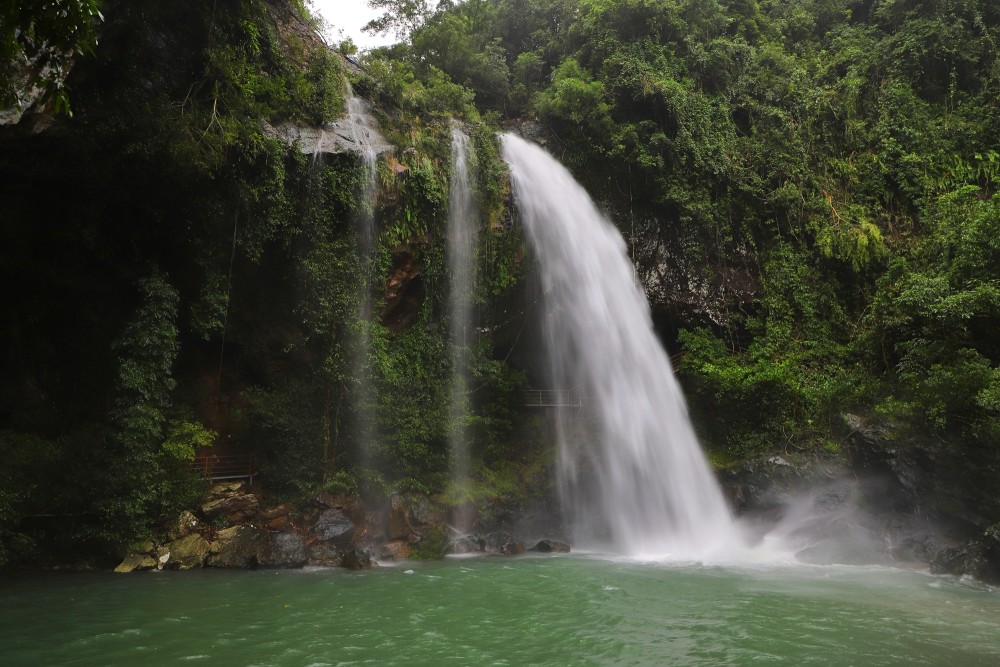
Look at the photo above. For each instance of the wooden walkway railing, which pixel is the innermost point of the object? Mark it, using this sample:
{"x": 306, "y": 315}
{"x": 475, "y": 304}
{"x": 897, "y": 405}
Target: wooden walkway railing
{"x": 232, "y": 466}
{"x": 554, "y": 398}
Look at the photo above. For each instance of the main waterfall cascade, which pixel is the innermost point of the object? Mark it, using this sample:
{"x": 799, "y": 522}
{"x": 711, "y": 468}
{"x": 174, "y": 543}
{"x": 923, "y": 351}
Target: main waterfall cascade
{"x": 462, "y": 238}
{"x": 644, "y": 488}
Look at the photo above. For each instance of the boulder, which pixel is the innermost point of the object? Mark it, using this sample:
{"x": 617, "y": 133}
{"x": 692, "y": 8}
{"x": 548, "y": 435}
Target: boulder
{"x": 979, "y": 557}
{"x": 224, "y": 489}
{"x": 333, "y": 525}
{"x": 185, "y": 524}
{"x": 279, "y": 524}
{"x": 412, "y": 515}
{"x": 234, "y": 508}
{"x": 275, "y": 512}
{"x": 281, "y": 550}
{"x": 324, "y": 554}
{"x": 512, "y": 548}
{"x": 188, "y": 552}
{"x": 234, "y": 547}
{"x": 356, "y": 559}
{"x": 370, "y": 529}
{"x": 135, "y": 562}
{"x": 396, "y": 550}
{"x": 399, "y": 524}
{"x": 424, "y": 513}
{"x": 551, "y": 546}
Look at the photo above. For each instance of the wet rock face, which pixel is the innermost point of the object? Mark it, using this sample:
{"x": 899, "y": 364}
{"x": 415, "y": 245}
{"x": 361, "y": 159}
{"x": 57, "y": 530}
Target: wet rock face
{"x": 324, "y": 554}
{"x": 281, "y": 550}
{"x": 702, "y": 293}
{"x": 763, "y": 484}
{"x": 333, "y": 138}
{"x": 236, "y": 547}
{"x": 357, "y": 559}
{"x": 396, "y": 550}
{"x": 979, "y": 557}
{"x": 412, "y": 516}
{"x": 924, "y": 474}
{"x": 404, "y": 292}
{"x": 334, "y": 525}
{"x": 890, "y": 494}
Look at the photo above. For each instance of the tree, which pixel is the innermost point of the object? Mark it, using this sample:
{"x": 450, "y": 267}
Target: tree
{"x": 401, "y": 16}
{"x": 38, "y": 39}
{"x": 146, "y": 350}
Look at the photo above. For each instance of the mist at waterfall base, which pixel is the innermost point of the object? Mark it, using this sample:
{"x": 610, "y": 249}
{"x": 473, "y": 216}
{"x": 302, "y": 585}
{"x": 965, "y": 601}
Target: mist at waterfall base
{"x": 632, "y": 477}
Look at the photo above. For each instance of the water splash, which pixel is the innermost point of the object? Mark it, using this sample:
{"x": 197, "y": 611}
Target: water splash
{"x": 632, "y": 476}
{"x": 462, "y": 238}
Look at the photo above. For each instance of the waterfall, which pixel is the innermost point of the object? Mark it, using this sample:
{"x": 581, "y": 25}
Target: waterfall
{"x": 631, "y": 473}
{"x": 462, "y": 237}
{"x": 361, "y": 129}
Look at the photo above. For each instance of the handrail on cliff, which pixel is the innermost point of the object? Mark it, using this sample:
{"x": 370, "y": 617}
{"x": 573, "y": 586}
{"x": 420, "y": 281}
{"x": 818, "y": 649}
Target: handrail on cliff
{"x": 555, "y": 398}
{"x": 218, "y": 467}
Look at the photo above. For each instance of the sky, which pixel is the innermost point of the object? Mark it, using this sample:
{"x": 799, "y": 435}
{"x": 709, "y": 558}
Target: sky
{"x": 350, "y": 16}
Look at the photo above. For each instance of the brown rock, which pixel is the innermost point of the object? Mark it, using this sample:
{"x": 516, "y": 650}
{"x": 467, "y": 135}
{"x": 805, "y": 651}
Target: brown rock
{"x": 234, "y": 508}
{"x": 279, "y": 523}
{"x": 512, "y": 548}
{"x": 274, "y": 512}
{"x": 223, "y": 489}
{"x": 399, "y": 524}
{"x": 324, "y": 554}
{"x": 396, "y": 550}
{"x": 356, "y": 559}
{"x": 551, "y": 546}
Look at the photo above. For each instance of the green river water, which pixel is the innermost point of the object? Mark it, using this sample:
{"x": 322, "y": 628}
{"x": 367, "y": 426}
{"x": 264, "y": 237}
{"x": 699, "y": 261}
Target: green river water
{"x": 562, "y": 610}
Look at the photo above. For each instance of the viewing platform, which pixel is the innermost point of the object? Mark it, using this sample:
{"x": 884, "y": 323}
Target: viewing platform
{"x": 555, "y": 398}
{"x": 225, "y": 466}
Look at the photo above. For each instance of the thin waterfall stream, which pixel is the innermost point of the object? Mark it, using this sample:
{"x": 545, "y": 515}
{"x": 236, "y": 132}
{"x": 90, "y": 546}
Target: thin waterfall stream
{"x": 361, "y": 128}
{"x": 462, "y": 238}
{"x": 643, "y": 487}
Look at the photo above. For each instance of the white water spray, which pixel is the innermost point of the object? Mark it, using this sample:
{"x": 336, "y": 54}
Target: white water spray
{"x": 462, "y": 237}
{"x": 643, "y": 487}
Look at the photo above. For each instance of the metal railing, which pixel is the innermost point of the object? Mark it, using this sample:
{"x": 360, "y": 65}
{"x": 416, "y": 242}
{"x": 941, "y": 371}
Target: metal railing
{"x": 233, "y": 466}
{"x": 554, "y": 398}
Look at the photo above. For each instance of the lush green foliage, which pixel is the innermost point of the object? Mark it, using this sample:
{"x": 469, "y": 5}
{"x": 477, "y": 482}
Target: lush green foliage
{"x": 822, "y": 157}
{"x": 145, "y": 287}
{"x": 824, "y": 174}
{"x": 38, "y": 41}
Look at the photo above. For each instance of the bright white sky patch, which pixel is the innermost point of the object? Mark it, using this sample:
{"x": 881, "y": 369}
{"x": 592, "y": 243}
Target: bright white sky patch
{"x": 345, "y": 18}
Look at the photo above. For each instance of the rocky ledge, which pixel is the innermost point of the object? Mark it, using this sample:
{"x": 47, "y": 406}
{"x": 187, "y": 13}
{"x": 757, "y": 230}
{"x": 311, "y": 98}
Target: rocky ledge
{"x": 233, "y": 529}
